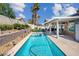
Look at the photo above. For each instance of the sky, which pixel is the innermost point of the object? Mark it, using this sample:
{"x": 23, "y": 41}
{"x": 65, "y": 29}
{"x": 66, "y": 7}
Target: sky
{"x": 46, "y": 11}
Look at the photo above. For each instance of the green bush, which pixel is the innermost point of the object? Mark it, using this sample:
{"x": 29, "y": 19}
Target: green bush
{"x": 6, "y": 27}
{"x": 36, "y": 30}
{"x": 10, "y": 27}
{"x": 21, "y": 26}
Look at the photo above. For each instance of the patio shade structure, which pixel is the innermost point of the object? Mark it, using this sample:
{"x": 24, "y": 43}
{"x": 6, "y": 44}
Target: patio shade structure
{"x": 58, "y": 20}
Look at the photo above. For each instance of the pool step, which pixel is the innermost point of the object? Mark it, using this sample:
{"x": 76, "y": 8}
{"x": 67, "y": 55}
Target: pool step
{"x": 40, "y": 51}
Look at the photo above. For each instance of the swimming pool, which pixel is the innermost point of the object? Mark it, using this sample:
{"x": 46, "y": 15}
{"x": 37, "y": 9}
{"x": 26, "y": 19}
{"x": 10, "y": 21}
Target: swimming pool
{"x": 38, "y": 44}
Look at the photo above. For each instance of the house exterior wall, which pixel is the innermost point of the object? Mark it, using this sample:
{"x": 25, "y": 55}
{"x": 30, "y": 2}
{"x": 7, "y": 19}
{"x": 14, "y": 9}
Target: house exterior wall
{"x": 67, "y": 30}
{"x": 77, "y": 30}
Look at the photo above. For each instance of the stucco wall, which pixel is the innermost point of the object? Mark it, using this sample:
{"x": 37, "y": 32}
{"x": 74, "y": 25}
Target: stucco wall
{"x": 6, "y": 20}
{"x": 77, "y": 31}
{"x": 67, "y": 32}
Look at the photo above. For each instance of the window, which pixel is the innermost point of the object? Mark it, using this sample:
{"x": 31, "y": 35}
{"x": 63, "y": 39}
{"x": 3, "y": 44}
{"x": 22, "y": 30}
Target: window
{"x": 71, "y": 27}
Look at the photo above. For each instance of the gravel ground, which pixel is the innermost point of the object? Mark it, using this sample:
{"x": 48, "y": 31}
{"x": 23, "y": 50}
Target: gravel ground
{"x": 10, "y": 40}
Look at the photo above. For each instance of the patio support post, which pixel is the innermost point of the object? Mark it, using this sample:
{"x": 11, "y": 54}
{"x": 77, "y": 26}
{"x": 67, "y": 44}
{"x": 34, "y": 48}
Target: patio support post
{"x": 0, "y": 31}
{"x": 50, "y": 28}
{"x": 57, "y": 29}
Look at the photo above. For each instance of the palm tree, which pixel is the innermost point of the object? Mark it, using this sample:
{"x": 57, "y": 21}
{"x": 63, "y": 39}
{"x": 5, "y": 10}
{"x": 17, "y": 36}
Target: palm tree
{"x": 35, "y": 16}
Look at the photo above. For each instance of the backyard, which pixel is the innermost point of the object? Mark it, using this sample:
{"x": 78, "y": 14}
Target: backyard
{"x": 36, "y": 31}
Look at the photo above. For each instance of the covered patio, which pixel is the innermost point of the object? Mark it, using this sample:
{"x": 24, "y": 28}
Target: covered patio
{"x": 60, "y": 26}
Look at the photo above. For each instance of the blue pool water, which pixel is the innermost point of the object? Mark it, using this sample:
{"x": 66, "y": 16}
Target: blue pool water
{"x": 39, "y": 45}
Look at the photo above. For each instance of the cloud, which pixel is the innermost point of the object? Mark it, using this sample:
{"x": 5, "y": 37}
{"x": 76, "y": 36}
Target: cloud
{"x": 56, "y": 9}
{"x": 63, "y": 9}
{"x": 21, "y": 5}
{"x": 69, "y": 11}
{"x": 21, "y": 15}
{"x": 45, "y": 9}
{"x": 18, "y": 7}
{"x": 56, "y": 13}
{"x": 67, "y": 5}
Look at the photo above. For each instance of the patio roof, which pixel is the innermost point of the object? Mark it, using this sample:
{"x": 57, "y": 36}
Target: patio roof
{"x": 62, "y": 19}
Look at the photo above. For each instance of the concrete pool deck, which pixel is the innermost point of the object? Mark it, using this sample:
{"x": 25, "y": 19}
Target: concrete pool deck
{"x": 70, "y": 48}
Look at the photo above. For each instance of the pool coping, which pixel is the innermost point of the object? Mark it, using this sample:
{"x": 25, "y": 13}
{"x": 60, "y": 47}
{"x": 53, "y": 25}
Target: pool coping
{"x": 66, "y": 46}
{"x": 14, "y": 50}
{"x": 56, "y": 44}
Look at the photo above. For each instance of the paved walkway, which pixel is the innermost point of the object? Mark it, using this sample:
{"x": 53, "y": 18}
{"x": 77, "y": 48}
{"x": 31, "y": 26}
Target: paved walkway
{"x": 2, "y": 33}
{"x": 70, "y": 48}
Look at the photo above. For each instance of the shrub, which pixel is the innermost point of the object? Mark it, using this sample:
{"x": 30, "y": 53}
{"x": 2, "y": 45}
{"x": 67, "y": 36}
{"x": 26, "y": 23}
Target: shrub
{"x": 6, "y": 27}
{"x": 21, "y": 26}
{"x": 10, "y": 27}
